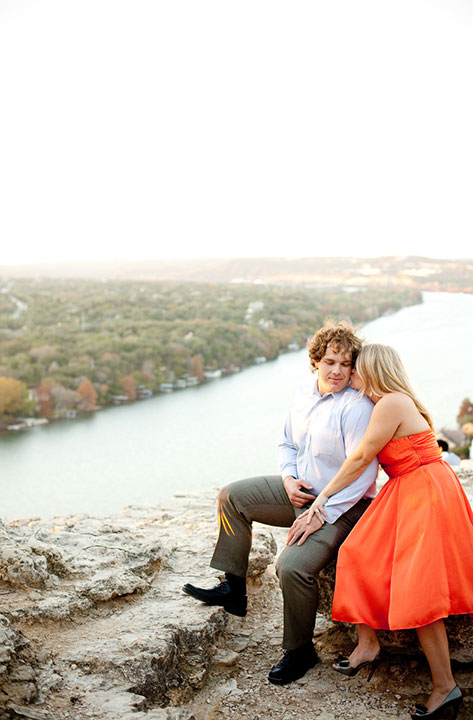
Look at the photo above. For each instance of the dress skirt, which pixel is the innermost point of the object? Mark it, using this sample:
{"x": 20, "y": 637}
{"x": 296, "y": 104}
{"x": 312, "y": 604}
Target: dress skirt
{"x": 409, "y": 560}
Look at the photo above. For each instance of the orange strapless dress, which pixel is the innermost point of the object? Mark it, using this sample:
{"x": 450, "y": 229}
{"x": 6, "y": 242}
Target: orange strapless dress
{"x": 409, "y": 560}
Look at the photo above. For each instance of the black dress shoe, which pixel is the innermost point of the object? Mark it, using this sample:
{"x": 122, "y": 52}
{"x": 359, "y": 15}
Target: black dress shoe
{"x": 293, "y": 664}
{"x": 222, "y": 594}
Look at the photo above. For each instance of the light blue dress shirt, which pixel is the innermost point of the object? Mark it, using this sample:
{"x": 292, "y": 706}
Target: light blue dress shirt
{"x": 319, "y": 434}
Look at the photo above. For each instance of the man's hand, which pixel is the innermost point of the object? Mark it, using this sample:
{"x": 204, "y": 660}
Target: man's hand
{"x": 301, "y": 529}
{"x": 296, "y": 496}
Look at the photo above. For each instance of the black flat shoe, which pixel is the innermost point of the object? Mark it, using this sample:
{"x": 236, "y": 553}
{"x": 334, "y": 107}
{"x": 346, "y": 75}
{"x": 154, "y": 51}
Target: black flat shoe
{"x": 345, "y": 668}
{"x": 293, "y": 665}
{"x": 222, "y": 594}
{"x": 453, "y": 700}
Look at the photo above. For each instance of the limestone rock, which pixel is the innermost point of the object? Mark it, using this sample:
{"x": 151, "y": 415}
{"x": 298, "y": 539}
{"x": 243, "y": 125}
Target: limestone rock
{"x": 263, "y": 550}
{"x": 107, "y": 585}
{"x": 99, "y": 622}
{"x": 101, "y": 603}
{"x": 18, "y": 564}
{"x": 18, "y": 678}
{"x": 11, "y": 642}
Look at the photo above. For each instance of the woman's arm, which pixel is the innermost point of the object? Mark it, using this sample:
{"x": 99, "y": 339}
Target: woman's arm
{"x": 384, "y": 422}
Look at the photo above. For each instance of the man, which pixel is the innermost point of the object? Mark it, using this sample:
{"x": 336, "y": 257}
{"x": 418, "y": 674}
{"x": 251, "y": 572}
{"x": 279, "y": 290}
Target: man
{"x": 450, "y": 457}
{"x": 326, "y": 421}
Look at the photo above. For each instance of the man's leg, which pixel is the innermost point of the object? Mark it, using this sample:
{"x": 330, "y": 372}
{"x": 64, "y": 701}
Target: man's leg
{"x": 297, "y": 569}
{"x": 261, "y": 499}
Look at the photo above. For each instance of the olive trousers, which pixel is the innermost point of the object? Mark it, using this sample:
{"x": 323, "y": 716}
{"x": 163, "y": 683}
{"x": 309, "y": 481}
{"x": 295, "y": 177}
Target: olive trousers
{"x": 264, "y": 500}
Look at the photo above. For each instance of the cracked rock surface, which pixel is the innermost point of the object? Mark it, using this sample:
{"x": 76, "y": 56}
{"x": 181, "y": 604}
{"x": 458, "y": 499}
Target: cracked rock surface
{"x": 93, "y": 624}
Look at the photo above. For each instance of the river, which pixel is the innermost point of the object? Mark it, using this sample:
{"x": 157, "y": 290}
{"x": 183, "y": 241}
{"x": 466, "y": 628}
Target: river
{"x": 224, "y": 430}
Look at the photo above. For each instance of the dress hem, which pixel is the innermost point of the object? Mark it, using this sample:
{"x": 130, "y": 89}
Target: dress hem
{"x": 405, "y": 627}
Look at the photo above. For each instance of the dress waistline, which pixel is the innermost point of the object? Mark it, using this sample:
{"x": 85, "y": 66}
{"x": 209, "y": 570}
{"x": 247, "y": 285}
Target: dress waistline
{"x": 387, "y": 468}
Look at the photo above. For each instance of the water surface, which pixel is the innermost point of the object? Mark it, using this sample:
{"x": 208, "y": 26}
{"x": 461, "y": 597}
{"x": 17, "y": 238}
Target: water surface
{"x": 222, "y": 431}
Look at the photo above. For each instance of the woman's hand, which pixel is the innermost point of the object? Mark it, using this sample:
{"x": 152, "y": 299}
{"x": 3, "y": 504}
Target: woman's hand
{"x": 300, "y": 529}
{"x": 317, "y": 508}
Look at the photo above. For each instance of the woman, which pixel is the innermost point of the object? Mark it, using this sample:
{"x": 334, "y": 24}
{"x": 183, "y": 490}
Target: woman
{"x": 408, "y": 563}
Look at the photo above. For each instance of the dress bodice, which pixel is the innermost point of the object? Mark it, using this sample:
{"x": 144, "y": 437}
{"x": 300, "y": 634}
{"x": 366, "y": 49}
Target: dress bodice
{"x": 404, "y": 454}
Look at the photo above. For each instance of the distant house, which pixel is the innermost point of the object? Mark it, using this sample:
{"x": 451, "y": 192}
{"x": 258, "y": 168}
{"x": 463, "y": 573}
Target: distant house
{"x": 166, "y": 387}
{"x": 192, "y": 380}
{"x": 212, "y": 374}
{"x": 31, "y": 422}
{"x": 142, "y": 392}
{"x": 118, "y": 399}
{"x": 260, "y": 360}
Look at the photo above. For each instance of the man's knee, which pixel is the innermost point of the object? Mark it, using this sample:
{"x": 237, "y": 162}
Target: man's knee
{"x": 230, "y": 494}
{"x": 303, "y": 562}
{"x": 290, "y": 568}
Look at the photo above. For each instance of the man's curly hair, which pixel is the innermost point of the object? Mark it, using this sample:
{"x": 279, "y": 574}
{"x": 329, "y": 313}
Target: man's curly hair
{"x": 341, "y": 336}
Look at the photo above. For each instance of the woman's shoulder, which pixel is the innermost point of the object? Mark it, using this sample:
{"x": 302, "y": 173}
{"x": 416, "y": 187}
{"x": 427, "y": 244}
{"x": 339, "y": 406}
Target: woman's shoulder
{"x": 395, "y": 402}
{"x": 399, "y": 409}
{"x": 396, "y": 398}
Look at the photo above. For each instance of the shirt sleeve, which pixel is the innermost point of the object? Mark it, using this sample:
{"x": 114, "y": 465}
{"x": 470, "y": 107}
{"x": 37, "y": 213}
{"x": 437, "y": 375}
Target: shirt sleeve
{"x": 354, "y": 424}
{"x": 287, "y": 451}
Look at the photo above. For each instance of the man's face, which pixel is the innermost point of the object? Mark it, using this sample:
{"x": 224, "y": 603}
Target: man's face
{"x": 334, "y": 371}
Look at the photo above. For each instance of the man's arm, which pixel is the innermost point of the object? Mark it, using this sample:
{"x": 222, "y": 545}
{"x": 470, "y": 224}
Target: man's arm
{"x": 354, "y": 425}
{"x": 288, "y": 468}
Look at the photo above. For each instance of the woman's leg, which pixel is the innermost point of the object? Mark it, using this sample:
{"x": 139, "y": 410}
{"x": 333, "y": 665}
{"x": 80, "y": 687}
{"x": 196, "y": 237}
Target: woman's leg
{"x": 367, "y": 648}
{"x": 434, "y": 642}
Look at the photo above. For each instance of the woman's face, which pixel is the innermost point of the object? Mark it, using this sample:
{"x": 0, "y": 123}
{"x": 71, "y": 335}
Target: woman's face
{"x": 355, "y": 380}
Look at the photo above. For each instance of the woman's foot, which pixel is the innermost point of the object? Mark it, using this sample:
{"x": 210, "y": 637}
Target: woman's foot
{"x": 362, "y": 654}
{"x": 453, "y": 700}
{"x": 437, "y": 697}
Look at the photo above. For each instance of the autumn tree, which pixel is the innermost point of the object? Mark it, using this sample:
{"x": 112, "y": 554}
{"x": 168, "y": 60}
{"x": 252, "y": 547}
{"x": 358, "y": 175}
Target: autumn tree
{"x": 465, "y": 414}
{"x": 128, "y": 386}
{"x": 13, "y": 395}
{"x": 45, "y": 401}
{"x": 88, "y": 395}
{"x": 197, "y": 366}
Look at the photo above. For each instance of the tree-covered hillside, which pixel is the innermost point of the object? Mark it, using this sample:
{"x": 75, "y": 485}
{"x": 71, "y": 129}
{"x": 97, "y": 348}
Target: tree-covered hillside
{"x": 77, "y": 343}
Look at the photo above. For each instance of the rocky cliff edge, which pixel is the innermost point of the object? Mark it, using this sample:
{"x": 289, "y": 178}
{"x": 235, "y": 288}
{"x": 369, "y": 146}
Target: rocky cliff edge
{"x": 93, "y": 624}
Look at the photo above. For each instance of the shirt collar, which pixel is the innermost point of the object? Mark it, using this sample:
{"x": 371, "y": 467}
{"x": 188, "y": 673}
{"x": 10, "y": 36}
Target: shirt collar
{"x": 317, "y": 393}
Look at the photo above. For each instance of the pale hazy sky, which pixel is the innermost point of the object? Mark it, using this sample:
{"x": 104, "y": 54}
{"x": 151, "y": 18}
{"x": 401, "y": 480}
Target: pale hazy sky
{"x": 134, "y": 129}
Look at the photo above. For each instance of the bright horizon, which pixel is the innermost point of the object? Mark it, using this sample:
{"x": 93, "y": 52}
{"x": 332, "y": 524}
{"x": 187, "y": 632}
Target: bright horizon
{"x": 139, "y": 260}
{"x": 169, "y": 131}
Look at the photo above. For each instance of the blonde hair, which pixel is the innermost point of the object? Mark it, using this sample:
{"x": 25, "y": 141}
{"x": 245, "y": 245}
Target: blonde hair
{"x": 381, "y": 371}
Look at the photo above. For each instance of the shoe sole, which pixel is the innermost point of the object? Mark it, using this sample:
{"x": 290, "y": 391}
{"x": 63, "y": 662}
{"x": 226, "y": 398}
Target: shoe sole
{"x": 232, "y": 609}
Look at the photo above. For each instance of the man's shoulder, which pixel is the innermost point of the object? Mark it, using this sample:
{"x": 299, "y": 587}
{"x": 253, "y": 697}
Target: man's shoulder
{"x": 353, "y": 401}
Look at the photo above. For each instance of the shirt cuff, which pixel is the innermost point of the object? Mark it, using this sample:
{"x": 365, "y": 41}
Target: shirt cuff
{"x": 333, "y": 513}
{"x": 288, "y": 470}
